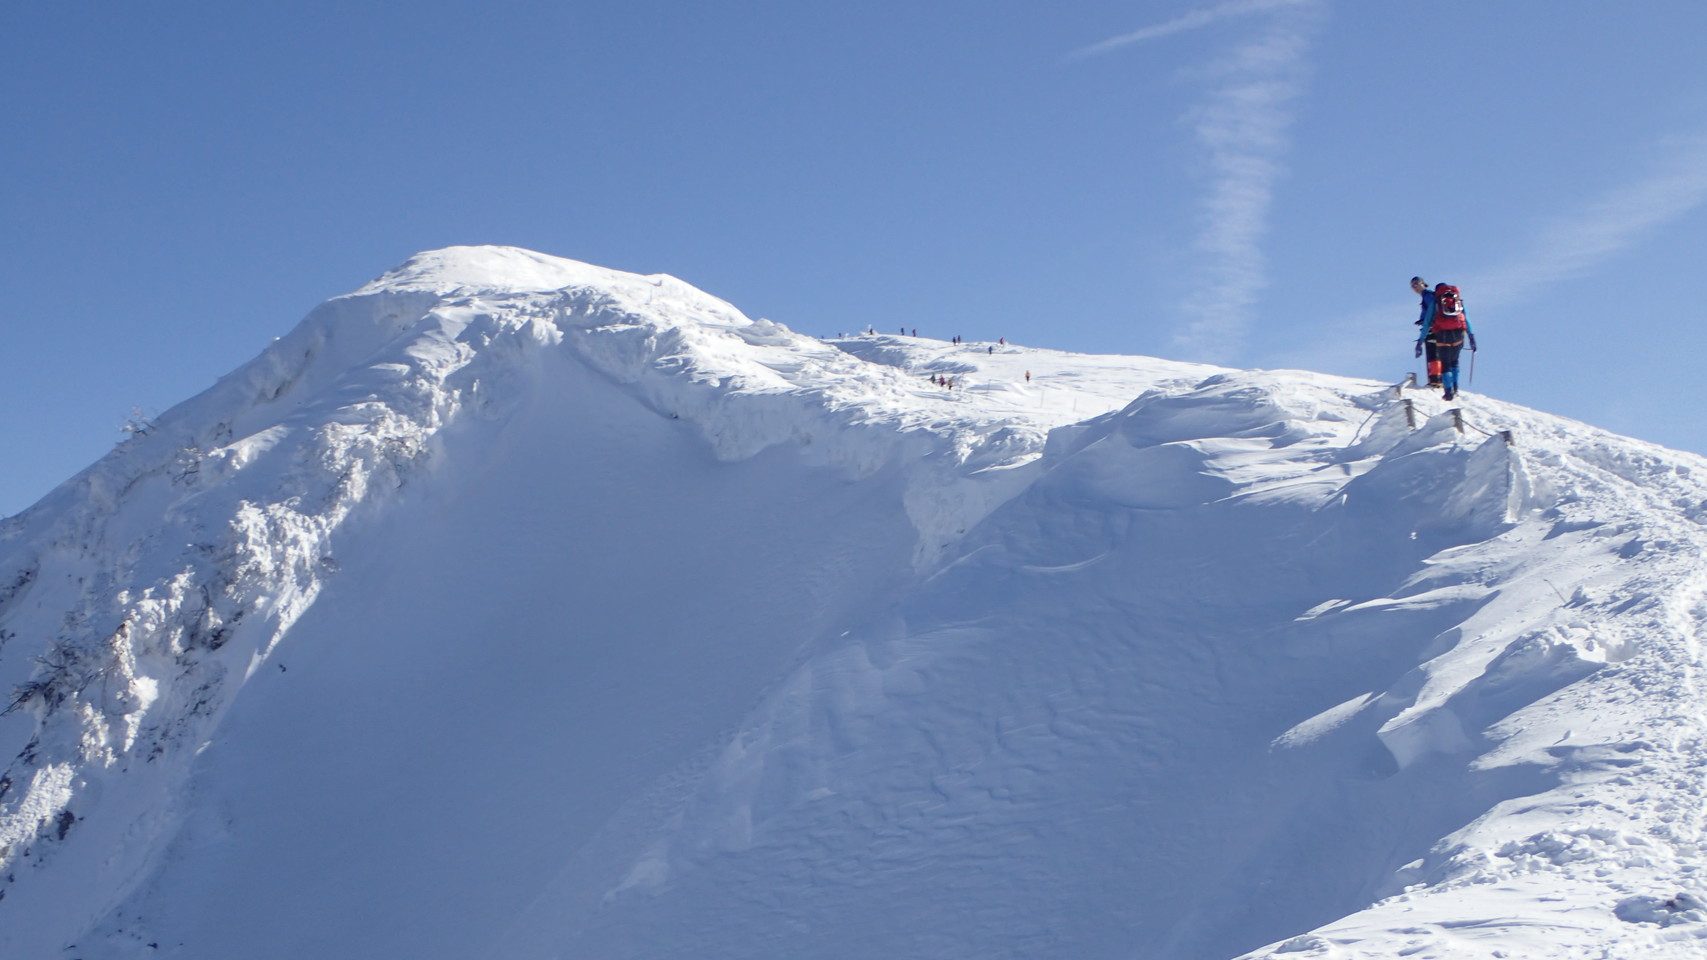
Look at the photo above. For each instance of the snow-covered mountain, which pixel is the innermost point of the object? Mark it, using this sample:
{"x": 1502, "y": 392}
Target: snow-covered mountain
{"x": 511, "y": 607}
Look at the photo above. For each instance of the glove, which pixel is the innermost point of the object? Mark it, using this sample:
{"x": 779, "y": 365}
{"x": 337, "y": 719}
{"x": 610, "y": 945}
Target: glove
{"x": 1472, "y": 343}
{"x": 1419, "y": 348}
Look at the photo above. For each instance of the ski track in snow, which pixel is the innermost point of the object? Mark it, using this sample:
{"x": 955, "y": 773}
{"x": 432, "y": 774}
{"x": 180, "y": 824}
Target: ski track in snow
{"x": 514, "y": 607}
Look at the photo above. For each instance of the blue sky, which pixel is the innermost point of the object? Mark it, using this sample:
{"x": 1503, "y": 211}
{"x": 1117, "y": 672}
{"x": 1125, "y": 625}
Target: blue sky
{"x": 1250, "y": 182}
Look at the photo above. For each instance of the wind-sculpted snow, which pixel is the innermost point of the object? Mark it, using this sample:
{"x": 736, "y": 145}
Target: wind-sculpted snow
{"x": 514, "y": 607}
{"x": 1217, "y": 676}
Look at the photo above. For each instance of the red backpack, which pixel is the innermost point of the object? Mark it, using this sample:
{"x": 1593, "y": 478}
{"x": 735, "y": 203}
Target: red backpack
{"x": 1448, "y": 308}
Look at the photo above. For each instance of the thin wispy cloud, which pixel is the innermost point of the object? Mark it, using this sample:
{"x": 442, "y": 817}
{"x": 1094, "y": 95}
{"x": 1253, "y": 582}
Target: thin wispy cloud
{"x": 1242, "y": 126}
{"x": 1562, "y": 249}
{"x": 1190, "y": 21}
{"x": 1577, "y": 241}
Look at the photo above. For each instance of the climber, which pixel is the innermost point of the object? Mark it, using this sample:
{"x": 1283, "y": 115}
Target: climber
{"x": 1420, "y": 288}
{"x": 1446, "y": 328}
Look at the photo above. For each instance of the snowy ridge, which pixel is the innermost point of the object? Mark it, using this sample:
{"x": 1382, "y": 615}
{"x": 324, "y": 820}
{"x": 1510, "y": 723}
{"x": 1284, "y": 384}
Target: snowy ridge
{"x": 1026, "y": 668}
{"x": 255, "y": 476}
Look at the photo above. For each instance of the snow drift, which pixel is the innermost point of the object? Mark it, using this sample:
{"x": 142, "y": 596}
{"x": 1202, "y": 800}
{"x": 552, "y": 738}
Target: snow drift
{"x": 512, "y": 607}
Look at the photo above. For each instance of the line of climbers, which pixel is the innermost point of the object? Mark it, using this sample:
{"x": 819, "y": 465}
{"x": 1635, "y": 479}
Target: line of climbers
{"x": 943, "y": 380}
{"x": 871, "y": 331}
{"x": 1445, "y": 329}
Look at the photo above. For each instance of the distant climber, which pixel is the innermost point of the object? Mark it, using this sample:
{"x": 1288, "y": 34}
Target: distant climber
{"x": 1028, "y": 376}
{"x": 1445, "y": 329}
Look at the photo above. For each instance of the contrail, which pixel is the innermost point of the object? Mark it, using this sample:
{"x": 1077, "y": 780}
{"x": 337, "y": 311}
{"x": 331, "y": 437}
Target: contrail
{"x": 1180, "y": 24}
{"x": 1243, "y": 126}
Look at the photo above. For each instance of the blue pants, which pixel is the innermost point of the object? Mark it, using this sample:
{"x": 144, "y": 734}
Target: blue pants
{"x": 1448, "y": 354}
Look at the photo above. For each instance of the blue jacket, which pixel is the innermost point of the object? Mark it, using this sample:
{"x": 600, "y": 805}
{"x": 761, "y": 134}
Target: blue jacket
{"x": 1427, "y": 318}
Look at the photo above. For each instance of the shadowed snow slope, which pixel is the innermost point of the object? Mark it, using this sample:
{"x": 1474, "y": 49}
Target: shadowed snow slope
{"x": 511, "y": 607}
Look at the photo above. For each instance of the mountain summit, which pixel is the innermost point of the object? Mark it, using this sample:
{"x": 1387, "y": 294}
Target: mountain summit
{"x": 514, "y": 607}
